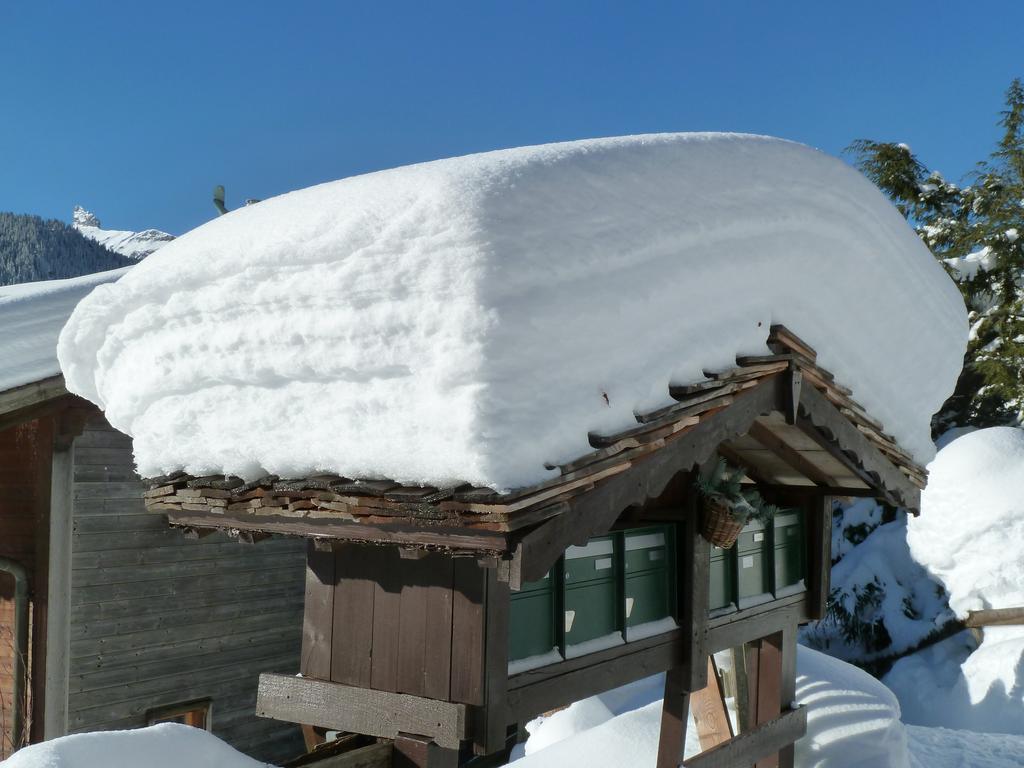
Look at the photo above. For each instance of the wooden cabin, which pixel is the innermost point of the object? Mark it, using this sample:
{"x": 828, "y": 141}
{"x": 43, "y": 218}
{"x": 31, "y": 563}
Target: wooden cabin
{"x": 445, "y": 618}
{"x": 108, "y": 618}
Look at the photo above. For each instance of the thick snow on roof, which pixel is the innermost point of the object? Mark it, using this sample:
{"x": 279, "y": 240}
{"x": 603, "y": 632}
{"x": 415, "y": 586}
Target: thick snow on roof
{"x": 471, "y": 319}
{"x": 31, "y": 316}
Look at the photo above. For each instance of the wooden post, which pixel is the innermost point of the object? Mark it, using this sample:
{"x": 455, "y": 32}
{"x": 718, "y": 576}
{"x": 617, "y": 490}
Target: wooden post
{"x": 412, "y": 751}
{"x": 673, "y": 718}
{"x": 788, "y": 692}
{"x": 819, "y": 564}
{"x": 495, "y": 724}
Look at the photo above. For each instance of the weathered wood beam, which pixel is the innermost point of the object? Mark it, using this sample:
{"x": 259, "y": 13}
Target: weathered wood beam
{"x": 414, "y": 751}
{"x": 493, "y": 731}
{"x": 537, "y": 691}
{"x": 674, "y": 708}
{"x": 13, "y": 400}
{"x": 823, "y": 422}
{"x": 361, "y": 710}
{"x": 596, "y": 511}
{"x": 790, "y": 455}
{"x": 819, "y": 511}
{"x": 736, "y": 629}
{"x": 464, "y": 539}
{"x": 995, "y": 617}
{"x": 694, "y": 582}
{"x": 751, "y": 746}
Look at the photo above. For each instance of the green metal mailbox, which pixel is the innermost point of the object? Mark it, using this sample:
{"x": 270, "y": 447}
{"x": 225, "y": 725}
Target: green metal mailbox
{"x": 532, "y": 620}
{"x": 591, "y": 587}
{"x": 722, "y": 588}
{"x": 789, "y": 553}
{"x": 753, "y": 557}
{"x": 648, "y": 563}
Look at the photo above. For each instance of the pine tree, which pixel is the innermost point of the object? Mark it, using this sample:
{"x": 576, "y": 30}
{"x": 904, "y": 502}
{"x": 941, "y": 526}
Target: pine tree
{"x": 32, "y": 248}
{"x": 976, "y": 231}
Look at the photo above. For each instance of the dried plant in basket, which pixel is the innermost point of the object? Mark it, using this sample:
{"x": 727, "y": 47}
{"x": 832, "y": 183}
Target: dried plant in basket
{"x": 727, "y": 507}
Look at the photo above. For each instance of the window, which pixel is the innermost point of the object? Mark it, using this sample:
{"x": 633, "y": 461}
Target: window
{"x": 616, "y": 588}
{"x": 197, "y": 713}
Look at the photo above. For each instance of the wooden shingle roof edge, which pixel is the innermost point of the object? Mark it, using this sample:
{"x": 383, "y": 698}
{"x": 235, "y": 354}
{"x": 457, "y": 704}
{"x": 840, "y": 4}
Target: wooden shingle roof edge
{"x": 384, "y": 510}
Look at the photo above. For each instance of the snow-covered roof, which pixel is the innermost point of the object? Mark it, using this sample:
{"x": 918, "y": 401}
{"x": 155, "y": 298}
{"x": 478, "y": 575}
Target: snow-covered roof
{"x": 472, "y": 319}
{"x": 31, "y": 316}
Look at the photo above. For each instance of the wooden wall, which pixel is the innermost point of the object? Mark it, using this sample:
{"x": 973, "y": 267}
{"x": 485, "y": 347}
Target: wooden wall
{"x": 416, "y": 626}
{"x": 24, "y": 482}
{"x": 158, "y": 619}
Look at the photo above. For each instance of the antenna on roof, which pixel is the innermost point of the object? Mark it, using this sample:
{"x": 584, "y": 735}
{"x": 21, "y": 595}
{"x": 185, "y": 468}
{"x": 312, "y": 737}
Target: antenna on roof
{"x": 218, "y": 199}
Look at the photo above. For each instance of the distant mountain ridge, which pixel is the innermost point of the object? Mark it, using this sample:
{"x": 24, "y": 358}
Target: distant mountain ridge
{"x": 33, "y": 248}
{"x": 134, "y": 245}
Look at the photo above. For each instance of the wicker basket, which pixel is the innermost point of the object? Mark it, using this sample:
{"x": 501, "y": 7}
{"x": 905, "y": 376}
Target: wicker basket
{"x": 718, "y": 524}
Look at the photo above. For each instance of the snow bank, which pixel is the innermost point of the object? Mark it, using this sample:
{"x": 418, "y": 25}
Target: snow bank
{"x": 31, "y": 316}
{"x": 852, "y": 722}
{"x": 945, "y": 748}
{"x": 887, "y": 600}
{"x": 968, "y": 537}
{"x": 168, "y": 745}
{"x": 972, "y": 509}
{"x": 471, "y": 319}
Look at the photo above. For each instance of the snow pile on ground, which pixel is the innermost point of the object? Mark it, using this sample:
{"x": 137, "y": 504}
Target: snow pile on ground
{"x": 471, "y": 319}
{"x": 884, "y": 602}
{"x": 168, "y": 745}
{"x": 968, "y": 536}
{"x": 31, "y": 316}
{"x": 134, "y": 245}
{"x": 852, "y": 722}
{"x": 945, "y": 748}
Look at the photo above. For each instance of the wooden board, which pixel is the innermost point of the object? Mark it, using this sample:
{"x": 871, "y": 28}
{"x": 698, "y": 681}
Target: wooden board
{"x": 467, "y": 681}
{"x": 709, "y": 713}
{"x": 318, "y": 616}
{"x": 353, "y": 615}
{"x": 360, "y": 710}
{"x": 747, "y": 748}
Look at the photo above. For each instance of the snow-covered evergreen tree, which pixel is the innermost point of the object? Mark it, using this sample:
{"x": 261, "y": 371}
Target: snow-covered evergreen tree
{"x": 976, "y": 231}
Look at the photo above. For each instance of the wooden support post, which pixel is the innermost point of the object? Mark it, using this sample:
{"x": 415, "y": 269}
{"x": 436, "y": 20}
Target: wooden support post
{"x": 673, "y": 718}
{"x": 694, "y": 584}
{"x": 495, "y": 725}
{"x": 819, "y": 518}
{"x": 767, "y": 701}
{"x": 412, "y": 751}
{"x": 788, "y": 693}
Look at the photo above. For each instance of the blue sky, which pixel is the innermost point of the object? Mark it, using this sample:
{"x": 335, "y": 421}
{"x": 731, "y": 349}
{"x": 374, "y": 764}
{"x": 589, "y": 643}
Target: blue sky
{"x": 135, "y": 110}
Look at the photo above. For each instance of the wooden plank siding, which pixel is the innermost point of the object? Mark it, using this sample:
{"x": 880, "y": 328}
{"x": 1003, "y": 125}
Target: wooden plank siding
{"x": 413, "y": 626}
{"x": 157, "y": 619}
{"x": 24, "y": 482}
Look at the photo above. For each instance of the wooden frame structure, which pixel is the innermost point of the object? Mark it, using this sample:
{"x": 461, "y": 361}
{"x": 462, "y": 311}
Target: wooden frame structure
{"x": 408, "y": 589}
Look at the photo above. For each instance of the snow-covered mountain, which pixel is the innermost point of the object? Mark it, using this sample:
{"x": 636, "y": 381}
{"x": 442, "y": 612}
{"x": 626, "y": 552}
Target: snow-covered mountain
{"x": 135, "y": 245}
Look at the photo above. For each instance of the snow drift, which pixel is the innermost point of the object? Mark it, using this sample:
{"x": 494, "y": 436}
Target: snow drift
{"x": 853, "y": 721}
{"x": 471, "y": 319}
{"x": 968, "y": 537}
{"x": 168, "y": 745}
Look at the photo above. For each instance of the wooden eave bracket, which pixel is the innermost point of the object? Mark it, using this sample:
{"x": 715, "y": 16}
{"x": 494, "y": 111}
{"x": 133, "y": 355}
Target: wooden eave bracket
{"x": 595, "y": 512}
{"x": 825, "y": 424}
